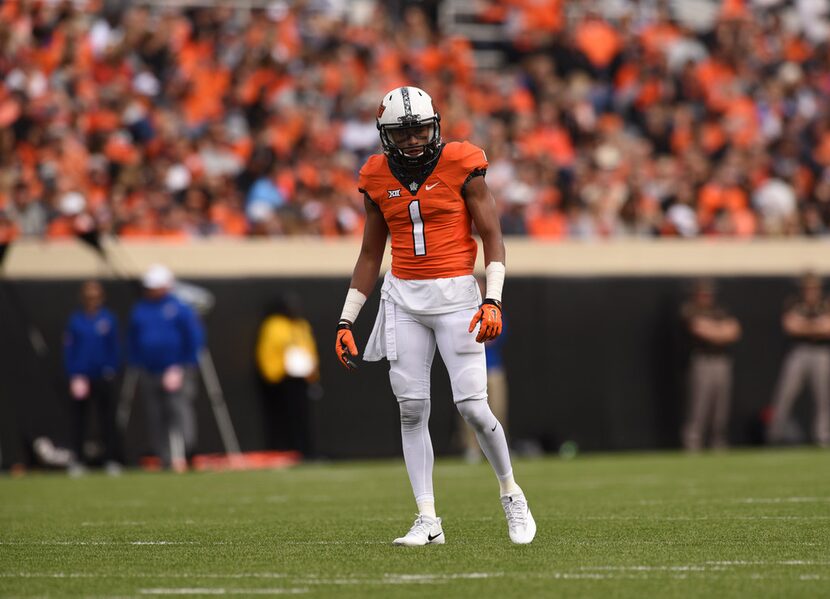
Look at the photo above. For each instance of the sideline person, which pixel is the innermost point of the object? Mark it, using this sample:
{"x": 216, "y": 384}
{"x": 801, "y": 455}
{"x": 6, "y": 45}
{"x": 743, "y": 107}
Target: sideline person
{"x": 92, "y": 357}
{"x": 165, "y": 337}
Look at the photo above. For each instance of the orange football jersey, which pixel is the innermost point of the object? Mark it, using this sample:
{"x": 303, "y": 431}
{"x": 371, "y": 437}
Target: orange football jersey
{"x": 431, "y": 226}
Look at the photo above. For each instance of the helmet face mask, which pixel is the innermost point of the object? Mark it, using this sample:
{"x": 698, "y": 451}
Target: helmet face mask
{"x": 410, "y": 129}
{"x": 410, "y": 141}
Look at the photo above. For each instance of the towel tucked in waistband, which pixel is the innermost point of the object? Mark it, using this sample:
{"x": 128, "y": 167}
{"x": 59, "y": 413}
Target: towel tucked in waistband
{"x": 382, "y": 342}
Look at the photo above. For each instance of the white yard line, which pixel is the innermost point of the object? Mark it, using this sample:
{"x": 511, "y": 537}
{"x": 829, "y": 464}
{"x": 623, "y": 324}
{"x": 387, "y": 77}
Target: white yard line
{"x": 782, "y": 517}
{"x": 301, "y": 583}
{"x": 82, "y": 543}
{"x": 177, "y": 521}
{"x": 706, "y": 565}
{"x": 783, "y": 500}
{"x": 404, "y": 578}
{"x": 49, "y": 575}
{"x": 581, "y": 576}
{"x": 689, "y": 568}
{"x": 333, "y": 581}
{"x": 335, "y": 543}
{"x": 164, "y": 542}
{"x": 700, "y": 518}
{"x": 182, "y": 575}
{"x": 397, "y": 579}
{"x": 223, "y": 591}
{"x": 118, "y": 523}
{"x": 791, "y": 562}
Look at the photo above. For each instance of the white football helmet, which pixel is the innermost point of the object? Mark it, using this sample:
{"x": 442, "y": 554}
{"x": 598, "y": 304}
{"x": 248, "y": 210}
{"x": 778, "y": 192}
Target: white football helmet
{"x": 403, "y": 108}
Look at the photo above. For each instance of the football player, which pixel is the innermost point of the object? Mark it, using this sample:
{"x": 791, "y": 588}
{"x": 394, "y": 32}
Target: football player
{"x": 426, "y": 194}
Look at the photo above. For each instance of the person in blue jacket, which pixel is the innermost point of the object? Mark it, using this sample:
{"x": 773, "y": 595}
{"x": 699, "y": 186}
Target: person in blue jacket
{"x": 164, "y": 341}
{"x": 92, "y": 357}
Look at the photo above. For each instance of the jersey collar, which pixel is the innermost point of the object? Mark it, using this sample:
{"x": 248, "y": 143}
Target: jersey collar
{"x": 413, "y": 179}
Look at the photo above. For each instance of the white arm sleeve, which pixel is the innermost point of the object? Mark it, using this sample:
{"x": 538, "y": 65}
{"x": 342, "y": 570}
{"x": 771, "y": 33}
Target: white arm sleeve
{"x": 495, "y": 280}
{"x": 354, "y": 302}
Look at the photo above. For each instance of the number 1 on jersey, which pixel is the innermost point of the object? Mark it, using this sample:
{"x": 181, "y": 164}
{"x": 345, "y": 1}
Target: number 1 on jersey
{"x": 418, "y": 239}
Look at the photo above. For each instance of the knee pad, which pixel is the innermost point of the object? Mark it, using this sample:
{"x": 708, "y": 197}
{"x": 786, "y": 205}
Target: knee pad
{"x": 408, "y": 385}
{"x": 470, "y": 383}
{"x": 477, "y": 413}
{"x": 414, "y": 413}
{"x": 398, "y": 382}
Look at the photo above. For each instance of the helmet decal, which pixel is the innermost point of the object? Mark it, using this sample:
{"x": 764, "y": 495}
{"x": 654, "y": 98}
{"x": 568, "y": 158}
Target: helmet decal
{"x": 407, "y": 105}
{"x": 381, "y": 108}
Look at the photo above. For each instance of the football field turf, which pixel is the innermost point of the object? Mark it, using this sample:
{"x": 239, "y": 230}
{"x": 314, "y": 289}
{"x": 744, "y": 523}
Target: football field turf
{"x": 742, "y": 524}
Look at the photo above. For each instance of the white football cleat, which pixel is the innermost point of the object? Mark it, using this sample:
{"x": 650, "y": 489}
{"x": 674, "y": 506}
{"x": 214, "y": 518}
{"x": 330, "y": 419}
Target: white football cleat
{"x": 520, "y": 522}
{"x": 425, "y": 531}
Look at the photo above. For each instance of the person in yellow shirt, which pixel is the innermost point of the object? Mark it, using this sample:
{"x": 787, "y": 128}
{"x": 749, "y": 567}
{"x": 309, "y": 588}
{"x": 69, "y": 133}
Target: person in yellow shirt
{"x": 287, "y": 365}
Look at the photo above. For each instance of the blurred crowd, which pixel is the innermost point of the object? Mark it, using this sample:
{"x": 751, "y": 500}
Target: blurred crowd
{"x": 615, "y": 118}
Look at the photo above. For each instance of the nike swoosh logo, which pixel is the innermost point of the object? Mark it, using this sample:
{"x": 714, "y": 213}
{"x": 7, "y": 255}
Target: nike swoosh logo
{"x": 431, "y": 538}
{"x": 492, "y": 430}
{"x": 428, "y": 187}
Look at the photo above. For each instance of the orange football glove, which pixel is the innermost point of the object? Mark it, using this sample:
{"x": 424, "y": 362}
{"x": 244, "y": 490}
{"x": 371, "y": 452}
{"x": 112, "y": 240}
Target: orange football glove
{"x": 489, "y": 317}
{"x": 345, "y": 346}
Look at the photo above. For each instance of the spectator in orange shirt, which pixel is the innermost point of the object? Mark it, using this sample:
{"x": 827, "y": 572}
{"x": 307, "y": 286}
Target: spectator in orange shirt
{"x": 723, "y": 206}
{"x": 598, "y": 40}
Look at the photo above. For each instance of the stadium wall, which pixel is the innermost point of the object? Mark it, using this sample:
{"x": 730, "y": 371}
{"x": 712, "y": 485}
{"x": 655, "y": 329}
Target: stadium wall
{"x": 594, "y": 352}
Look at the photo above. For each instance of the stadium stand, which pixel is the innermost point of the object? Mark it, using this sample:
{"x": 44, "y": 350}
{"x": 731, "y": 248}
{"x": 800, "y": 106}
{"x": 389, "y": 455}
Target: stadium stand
{"x": 601, "y": 119}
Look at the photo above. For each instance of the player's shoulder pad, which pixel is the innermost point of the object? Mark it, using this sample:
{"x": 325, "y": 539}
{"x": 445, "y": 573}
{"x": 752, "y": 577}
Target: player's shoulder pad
{"x": 372, "y": 168}
{"x": 469, "y": 156}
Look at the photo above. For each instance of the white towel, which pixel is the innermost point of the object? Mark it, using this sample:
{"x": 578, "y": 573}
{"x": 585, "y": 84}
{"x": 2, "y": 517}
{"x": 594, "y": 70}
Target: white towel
{"x": 382, "y": 342}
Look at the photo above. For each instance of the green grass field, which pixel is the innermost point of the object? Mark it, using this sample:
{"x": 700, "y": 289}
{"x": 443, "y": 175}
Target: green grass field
{"x": 743, "y": 524}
